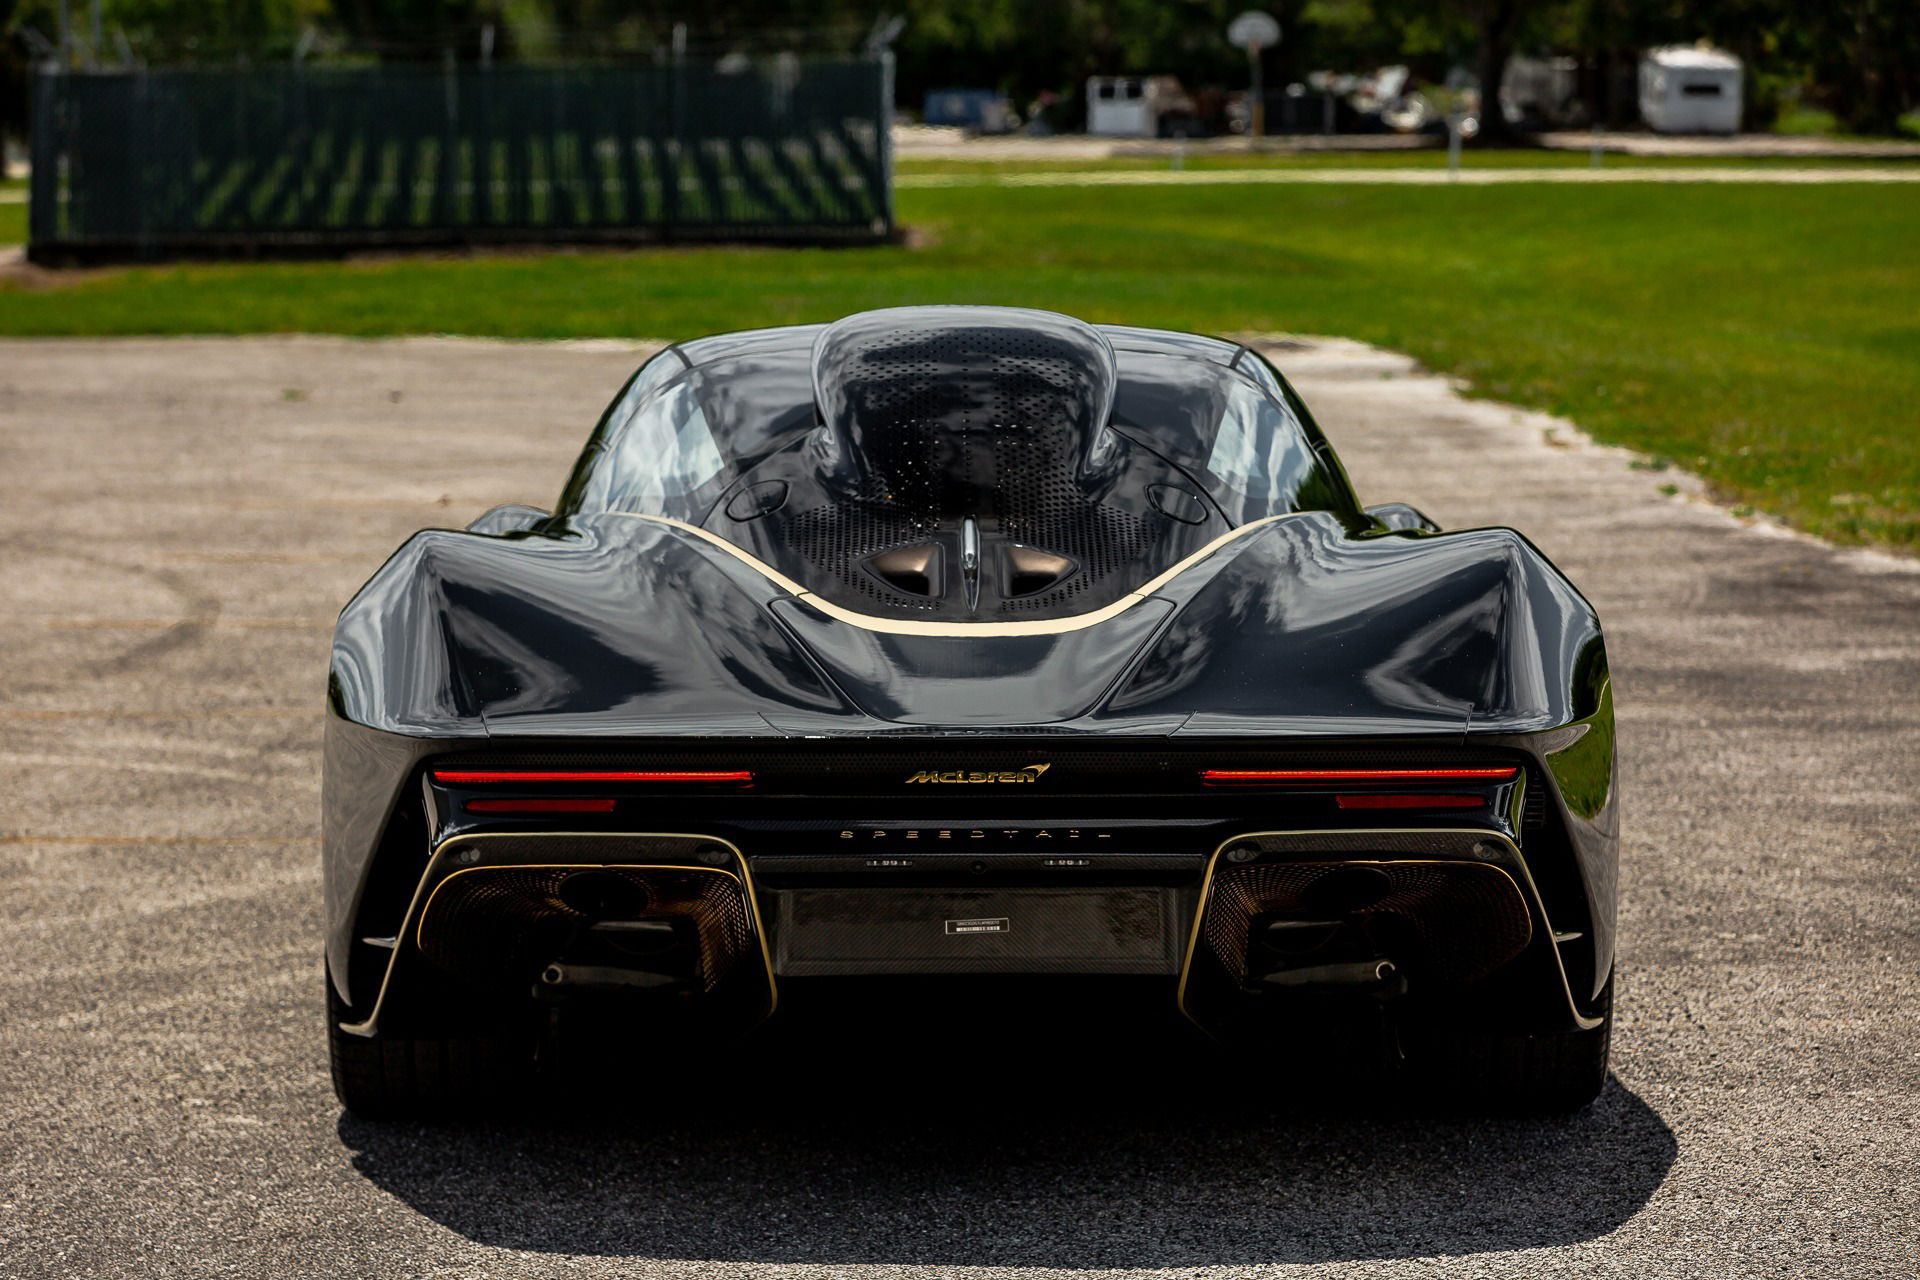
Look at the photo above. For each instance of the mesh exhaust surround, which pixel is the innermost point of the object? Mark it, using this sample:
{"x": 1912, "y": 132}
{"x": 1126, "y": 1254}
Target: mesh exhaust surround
{"x": 504, "y": 924}
{"x": 1449, "y": 922}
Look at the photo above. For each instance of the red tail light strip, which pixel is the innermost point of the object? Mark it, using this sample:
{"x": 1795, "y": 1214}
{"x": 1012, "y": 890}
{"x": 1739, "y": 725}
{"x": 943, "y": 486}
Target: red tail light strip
{"x": 739, "y": 777}
{"x": 1410, "y": 802}
{"x": 544, "y": 804}
{"x": 1271, "y": 777}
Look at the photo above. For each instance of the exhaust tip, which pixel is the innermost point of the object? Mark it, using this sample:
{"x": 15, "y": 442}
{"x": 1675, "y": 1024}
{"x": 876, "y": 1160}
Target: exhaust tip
{"x": 604, "y": 895}
{"x": 1348, "y": 889}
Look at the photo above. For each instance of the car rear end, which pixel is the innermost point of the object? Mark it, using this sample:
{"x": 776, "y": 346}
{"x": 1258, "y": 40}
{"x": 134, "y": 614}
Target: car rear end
{"x": 704, "y": 880}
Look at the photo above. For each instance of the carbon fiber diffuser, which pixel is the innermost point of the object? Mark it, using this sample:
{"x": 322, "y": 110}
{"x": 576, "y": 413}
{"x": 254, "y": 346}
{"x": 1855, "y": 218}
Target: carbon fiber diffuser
{"x": 504, "y": 924}
{"x": 1448, "y": 922}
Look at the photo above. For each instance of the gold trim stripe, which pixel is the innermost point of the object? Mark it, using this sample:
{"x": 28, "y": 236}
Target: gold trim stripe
{"x": 904, "y": 627}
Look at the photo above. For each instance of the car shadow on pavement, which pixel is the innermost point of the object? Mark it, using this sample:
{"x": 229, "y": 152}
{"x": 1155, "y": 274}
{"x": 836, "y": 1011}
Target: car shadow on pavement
{"x": 1062, "y": 1143}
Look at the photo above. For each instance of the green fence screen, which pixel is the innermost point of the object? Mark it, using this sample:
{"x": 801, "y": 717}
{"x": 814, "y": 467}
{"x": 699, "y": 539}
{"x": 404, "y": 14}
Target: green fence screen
{"x": 133, "y": 164}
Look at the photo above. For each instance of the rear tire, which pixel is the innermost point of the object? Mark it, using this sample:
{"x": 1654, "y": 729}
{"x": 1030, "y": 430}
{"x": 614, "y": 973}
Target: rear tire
{"x": 1519, "y": 1074}
{"x": 388, "y": 1077}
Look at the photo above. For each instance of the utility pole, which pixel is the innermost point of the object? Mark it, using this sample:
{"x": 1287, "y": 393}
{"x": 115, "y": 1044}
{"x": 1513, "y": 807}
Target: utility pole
{"x": 1255, "y": 32}
{"x": 1259, "y": 93}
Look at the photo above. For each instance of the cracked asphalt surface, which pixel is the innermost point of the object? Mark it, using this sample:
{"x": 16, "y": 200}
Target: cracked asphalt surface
{"x": 184, "y": 518}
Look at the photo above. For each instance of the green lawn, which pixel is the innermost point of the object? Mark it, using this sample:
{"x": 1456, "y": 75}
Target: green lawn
{"x": 1764, "y": 336}
{"x": 13, "y": 217}
{"x": 1424, "y": 157}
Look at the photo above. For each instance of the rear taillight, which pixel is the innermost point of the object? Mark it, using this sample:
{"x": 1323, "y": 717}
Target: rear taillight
{"x": 1415, "y": 777}
{"x": 542, "y": 804}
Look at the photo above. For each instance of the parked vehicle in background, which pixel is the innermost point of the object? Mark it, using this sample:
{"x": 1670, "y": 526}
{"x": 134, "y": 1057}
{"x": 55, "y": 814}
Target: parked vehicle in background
{"x": 1542, "y": 93}
{"x": 1140, "y": 107}
{"x": 980, "y": 110}
{"x": 1689, "y": 89}
{"x": 1375, "y": 101}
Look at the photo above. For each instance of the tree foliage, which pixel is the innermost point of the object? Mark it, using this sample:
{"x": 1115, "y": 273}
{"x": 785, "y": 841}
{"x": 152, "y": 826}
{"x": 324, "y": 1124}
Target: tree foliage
{"x": 1860, "y": 58}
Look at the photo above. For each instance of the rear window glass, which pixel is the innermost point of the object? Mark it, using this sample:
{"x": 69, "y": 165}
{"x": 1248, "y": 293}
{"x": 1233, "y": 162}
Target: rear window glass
{"x": 675, "y": 438}
{"x": 654, "y": 451}
{"x": 665, "y": 450}
{"x": 1257, "y": 450}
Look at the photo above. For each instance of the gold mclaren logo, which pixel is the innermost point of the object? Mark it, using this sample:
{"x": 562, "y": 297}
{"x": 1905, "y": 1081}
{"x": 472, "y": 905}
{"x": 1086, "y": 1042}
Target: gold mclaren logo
{"x": 1029, "y": 774}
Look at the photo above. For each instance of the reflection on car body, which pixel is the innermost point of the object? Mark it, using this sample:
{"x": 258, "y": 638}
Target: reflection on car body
{"x": 844, "y": 639}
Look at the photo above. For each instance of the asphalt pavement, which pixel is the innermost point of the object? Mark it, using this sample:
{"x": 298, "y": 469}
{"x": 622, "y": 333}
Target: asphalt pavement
{"x": 184, "y": 517}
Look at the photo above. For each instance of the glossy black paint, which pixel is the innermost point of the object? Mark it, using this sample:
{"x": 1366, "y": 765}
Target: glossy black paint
{"x": 612, "y": 626}
{"x": 817, "y": 447}
{"x": 950, "y": 373}
{"x": 1246, "y": 612}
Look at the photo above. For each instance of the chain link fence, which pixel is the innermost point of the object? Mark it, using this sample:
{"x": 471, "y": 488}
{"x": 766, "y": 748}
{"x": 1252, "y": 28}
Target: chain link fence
{"x": 132, "y": 165}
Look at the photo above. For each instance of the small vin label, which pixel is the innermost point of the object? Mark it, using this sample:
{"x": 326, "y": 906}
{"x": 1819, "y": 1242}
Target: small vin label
{"x": 998, "y": 925}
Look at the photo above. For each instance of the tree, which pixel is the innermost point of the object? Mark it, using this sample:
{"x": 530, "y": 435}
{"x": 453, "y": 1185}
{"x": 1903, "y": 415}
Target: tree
{"x": 1496, "y": 25}
{"x": 1859, "y": 57}
{"x": 1864, "y": 57}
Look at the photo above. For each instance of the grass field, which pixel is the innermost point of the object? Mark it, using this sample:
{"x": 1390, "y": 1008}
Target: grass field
{"x": 1765, "y": 337}
{"x": 1433, "y": 157}
{"x": 13, "y": 217}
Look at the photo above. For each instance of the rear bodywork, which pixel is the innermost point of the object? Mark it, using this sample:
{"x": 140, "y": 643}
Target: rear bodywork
{"x": 967, "y": 641}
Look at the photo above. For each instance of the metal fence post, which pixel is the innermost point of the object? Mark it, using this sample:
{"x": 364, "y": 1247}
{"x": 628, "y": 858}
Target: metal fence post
{"x": 444, "y": 197}
{"x": 44, "y": 153}
{"x": 883, "y": 121}
{"x": 675, "y": 148}
{"x": 144, "y": 162}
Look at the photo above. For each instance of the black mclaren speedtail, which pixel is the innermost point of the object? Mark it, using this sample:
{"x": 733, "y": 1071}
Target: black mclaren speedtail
{"x": 967, "y": 641}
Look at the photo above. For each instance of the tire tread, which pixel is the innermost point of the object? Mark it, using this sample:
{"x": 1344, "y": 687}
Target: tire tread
{"x": 1520, "y": 1073}
{"x": 383, "y": 1077}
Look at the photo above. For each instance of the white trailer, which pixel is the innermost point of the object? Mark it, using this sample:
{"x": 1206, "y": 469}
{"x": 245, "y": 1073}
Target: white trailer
{"x": 1139, "y": 107}
{"x": 1684, "y": 89}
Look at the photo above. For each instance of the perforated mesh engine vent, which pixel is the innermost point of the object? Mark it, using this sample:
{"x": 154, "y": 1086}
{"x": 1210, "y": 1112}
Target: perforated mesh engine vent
{"x": 934, "y": 417}
{"x": 908, "y": 376}
{"x": 1039, "y": 503}
{"x": 842, "y": 537}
